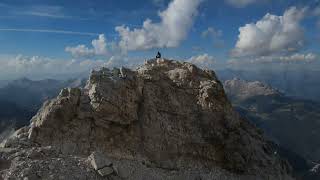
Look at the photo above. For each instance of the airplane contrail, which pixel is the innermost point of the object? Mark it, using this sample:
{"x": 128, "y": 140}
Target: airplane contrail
{"x": 50, "y": 31}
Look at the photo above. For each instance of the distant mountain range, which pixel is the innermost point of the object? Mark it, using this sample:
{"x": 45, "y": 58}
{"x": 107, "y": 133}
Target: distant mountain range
{"x": 238, "y": 89}
{"x": 21, "y": 99}
{"x": 301, "y": 84}
{"x": 292, "y": 123}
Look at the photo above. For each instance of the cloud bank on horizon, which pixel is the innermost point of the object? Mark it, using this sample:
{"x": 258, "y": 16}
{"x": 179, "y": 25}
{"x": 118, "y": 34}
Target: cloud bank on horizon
{"x": 13, "y": 67}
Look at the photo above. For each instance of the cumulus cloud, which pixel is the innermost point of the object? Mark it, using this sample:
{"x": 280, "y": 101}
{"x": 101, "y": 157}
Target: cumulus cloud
{"x": 272, "y": 34}
{"x": 12, "y": 67}
{"x": 203, "y": 60}
{"x": 175, "y": 23}
{"x": 241, "y": 3}
{"x": 99, "y": 48}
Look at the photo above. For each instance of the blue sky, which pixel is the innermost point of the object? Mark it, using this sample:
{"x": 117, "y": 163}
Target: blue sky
{"x": 45, "y": 28}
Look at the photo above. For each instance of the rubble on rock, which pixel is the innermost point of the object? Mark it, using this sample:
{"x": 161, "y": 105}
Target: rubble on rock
{"x": 166, "y": 120}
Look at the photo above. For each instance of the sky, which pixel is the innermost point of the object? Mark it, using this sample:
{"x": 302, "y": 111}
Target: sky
{"x": 61, "y": 38}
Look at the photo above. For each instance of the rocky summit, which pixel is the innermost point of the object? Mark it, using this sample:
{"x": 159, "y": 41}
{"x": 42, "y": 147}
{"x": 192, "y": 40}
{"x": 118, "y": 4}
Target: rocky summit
{"x": 165, "y": 120}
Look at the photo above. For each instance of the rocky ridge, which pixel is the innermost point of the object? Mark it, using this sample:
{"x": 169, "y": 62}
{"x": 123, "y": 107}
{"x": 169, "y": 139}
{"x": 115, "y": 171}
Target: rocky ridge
{"x": 166, "y": 120}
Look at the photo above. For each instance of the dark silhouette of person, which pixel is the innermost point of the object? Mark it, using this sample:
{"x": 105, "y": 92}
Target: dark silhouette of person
{"x": 158, "y": 55}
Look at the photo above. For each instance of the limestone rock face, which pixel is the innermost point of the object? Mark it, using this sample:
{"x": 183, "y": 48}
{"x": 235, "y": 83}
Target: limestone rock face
{"x": 167, "y": 115}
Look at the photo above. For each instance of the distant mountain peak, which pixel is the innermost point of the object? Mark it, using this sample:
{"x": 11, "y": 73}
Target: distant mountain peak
{"x": 242, "y": 89}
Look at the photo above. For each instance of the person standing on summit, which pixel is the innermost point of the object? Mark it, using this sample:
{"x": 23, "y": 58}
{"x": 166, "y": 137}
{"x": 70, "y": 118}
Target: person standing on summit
{"x": 158, "y": 55}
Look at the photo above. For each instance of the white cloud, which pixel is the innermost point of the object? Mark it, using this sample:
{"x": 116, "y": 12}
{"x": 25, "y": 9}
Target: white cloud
{"x": 241, "y": 3}
{"x": 289, "y": 59}
{"x": 45, "y": 11}
{"x": 100, "y": 45}
{"x": 12, "y": 67}
{"x": 272, "y": 34}
{"x": 175, "y": 23}
{"x": 80, "y": 51}
{"x": 309, "y": 57}
{"x": 99, "y": 48}
{"x": 211, "y": 32}
{"x": 35, "y": 67}
{"x": 203, "y": 60}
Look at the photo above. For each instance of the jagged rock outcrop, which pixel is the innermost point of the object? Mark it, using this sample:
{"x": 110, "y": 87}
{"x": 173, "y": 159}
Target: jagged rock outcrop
{"x": 166, "y": 120}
